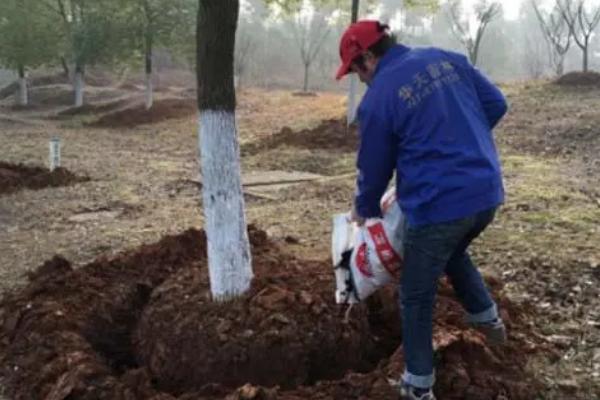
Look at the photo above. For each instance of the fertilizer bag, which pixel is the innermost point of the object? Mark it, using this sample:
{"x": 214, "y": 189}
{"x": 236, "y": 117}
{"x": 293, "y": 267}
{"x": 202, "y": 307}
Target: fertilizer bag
{"x": 368, "y": 257}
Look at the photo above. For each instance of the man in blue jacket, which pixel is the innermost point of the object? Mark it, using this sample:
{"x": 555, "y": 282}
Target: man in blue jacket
{"x": 428, "y": 115}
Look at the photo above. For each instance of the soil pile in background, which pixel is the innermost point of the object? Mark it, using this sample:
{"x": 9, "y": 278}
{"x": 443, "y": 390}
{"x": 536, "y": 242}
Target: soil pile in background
{"x": 137, "y": 114}
{"x": 58, "y": 80}
{"x": 11, "y": 88}
{"x": 15, "y": 177}
{"x": 332, "y": 134}
{"x": 106, "y": 106}
{"x": 579, "y": 79}
{"x": 141, "y": 326}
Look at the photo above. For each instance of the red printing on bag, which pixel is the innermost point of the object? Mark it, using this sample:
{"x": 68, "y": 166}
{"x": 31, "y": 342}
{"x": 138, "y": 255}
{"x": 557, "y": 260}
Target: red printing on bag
{"x": 361, "y": 261}
{"x": 390, "y": 260}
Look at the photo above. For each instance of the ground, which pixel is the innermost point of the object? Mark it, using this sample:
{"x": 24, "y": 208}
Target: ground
{"x": 544, "y": 246}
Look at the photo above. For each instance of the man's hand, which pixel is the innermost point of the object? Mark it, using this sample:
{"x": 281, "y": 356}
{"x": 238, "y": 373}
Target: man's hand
{"x": 354, "y": 217}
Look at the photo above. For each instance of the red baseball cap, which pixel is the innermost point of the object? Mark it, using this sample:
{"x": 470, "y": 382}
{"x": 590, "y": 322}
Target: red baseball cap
{"x": 356, "y": 40}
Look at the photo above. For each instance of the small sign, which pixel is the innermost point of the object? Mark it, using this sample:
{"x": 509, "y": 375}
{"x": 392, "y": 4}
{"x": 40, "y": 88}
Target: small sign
{"x": 54, "y": 153}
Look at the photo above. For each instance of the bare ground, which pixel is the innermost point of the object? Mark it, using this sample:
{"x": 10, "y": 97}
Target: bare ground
{"x": 545, "y": 243}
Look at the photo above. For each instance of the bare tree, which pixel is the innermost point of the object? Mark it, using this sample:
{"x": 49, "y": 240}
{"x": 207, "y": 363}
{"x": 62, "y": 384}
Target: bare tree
{"x": 229, "y": 260}
{"x": 582, "y": 24}
{"x": 245, "y": 45}
{"x": 557, "y": 34}
{"x": 93, "y": 32}
{"x": 309, "y": 31}
{"x": 534, "y": 59}
{"x": 485, "y": 12}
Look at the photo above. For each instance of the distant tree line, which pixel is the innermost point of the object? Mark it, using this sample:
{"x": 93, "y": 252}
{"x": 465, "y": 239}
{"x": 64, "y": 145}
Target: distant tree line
{"x": 77, "y": 33}
{"x": 291, "y": 43}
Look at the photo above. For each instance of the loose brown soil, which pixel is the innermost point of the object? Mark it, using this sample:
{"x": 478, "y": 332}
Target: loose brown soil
{"x": 331, "y": 134}
{"x": 142, "y": 326}
{"x": 15, "y": 177}
{"x": 137, "y": 115}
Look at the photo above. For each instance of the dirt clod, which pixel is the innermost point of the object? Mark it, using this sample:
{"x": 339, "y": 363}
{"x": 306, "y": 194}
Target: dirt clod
{"x": 14, "y": 177}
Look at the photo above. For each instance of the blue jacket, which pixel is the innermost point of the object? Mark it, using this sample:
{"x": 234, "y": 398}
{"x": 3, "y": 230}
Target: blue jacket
{"x": 428, "y": 115}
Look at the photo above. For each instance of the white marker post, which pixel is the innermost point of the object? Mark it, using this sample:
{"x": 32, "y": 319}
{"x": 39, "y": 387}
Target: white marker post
{"x": 54, "y": 153}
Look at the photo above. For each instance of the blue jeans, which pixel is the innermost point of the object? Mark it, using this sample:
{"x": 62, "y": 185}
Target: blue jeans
{"x": 429, "y": 252}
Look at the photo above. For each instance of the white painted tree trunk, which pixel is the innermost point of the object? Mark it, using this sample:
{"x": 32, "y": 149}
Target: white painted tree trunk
{"x": 149, "y": 92}
{"x": 22, "y": 97}
{"x": 351, "y": 112}
{"x": 229, "y": 257}
{"x": 78, "y": 84}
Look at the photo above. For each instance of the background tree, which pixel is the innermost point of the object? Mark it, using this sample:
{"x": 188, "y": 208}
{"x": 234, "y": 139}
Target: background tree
{"x": 245, "y": 46}
{"x": 485, "y": 13}
{"x": 389, "y": 10}
{"x": 353, "y": 85}
{"x": 582, "y": 23}
{"x": 229, "y": 259}
{"x": 156, "y": 23}
{"x": 310, "y": 30}
{"x": 28, "y": 39}
{"x": 92, "y": 32}
{"x": 346, "y": 11}
{"x": 499, "y": 51}
{"x": 557, "y": 34}
{"x": 535, "y": 52}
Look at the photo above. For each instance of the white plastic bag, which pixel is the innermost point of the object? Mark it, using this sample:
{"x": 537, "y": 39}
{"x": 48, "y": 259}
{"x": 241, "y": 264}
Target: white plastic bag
{"x": 368, "y": 257}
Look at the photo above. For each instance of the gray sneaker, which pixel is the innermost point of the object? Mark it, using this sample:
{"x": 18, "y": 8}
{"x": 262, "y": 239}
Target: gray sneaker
{"x": 408, "y": 392}
{"x": 494, "y": 331}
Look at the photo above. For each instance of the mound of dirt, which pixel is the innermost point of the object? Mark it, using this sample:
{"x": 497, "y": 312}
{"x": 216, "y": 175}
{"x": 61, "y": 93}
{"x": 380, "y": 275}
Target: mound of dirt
{"x": 140, "y": 326}
{"x": 332, "y": 134}
{"x": 9, "y": 90}
{"x": 304, "y": 94}
{"x": 16, "y": 177}
{"x": 98, "y": 108}
{"x": 579, "y": 79}
{"x": 284, "y": 332}
{"x": 137, "y": 114}
{"x": 44, "y": 80}
{"x": 130, "y": 86}
{"x": 14, "y": 121}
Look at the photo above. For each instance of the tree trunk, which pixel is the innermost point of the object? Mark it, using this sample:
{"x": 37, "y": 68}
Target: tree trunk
{"x": 306, "y": 71}
{"x": 586, "y": 56}
{"x": 351, "y": 112}
{"x": 149, "y": 92}
{"x": 149, "y": 88}
{"x": 65, "y": 67}
{"x": 78, "y": 85}
{"x": 22, "y": 99}
{"x": 355, "y": 6}
{"x": 473, "y": 55}
{"x": 560, "y": 67}
{"x": 229, "y": 259}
